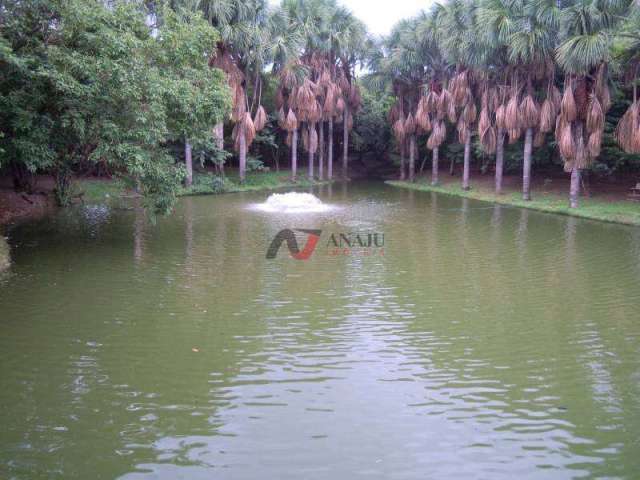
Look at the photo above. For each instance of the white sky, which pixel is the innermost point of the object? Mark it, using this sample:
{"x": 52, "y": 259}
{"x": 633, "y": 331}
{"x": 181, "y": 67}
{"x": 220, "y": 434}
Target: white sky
{"x": 381, "y": 15}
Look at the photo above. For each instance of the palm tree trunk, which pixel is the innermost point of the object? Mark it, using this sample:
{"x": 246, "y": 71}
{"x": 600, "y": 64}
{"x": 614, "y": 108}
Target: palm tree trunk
{"x": 330, "y": 151}
{"x": 434, "y": 166}
{"x": 189, "y": 163}
{"x": 402, "y": 169}
{"x": 310, "y": 172}
{"x": 574, "y": 191}
{"x": 294, "y": 155}
{"x": 526, "y": 165}
{"x": 218, "y": 133}
{"x": 321, "y": 151}
{"x": 345, "y": 143}
{"x": 467, "y": 161}
{"x": 499, "y": 161}
{"x": 243, "y": 157}
{"x": 412, "y": 158}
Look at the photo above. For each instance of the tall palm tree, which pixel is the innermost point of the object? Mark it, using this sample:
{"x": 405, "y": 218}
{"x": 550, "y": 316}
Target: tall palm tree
{"x": 588, "y": 28}
{"x": 458, "y": 39}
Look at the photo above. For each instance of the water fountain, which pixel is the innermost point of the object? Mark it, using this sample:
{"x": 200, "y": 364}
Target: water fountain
{"x": 293, "y": 202}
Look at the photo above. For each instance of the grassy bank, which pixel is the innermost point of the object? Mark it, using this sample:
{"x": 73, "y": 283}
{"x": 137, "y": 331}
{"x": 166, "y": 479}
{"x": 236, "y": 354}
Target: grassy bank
{"x": 626, "y": 212}
{"x": 96, "y": 190}
{"x": 208, "y": 183}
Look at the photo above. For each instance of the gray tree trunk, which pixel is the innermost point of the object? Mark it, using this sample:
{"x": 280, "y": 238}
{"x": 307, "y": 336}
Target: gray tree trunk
{"x": 243, "y": 157}
{"x": 294, "y": 154}
{"x": 345, "y": 143}
{"x": 574, "y": 191}
{"x": 467, "y": 162}
{"x": 218, "y": 133}
{"x": 310, "y": 172}
{"x": 526, "y": 164}
{"x": 499, "y": 161}
{"x": 434, "y": 166}
{"x": 189, "y": 163}
{"x": 330, "y": 151}
{"x": 321, "y": 151}
{"x": 412, "y": 158}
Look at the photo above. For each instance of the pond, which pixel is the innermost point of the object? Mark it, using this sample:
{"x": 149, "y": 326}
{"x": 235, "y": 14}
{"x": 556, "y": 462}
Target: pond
{"x": 470, "y": 341}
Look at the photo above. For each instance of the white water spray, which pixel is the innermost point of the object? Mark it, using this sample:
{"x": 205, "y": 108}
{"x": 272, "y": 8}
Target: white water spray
{"x": 293, "y": 202}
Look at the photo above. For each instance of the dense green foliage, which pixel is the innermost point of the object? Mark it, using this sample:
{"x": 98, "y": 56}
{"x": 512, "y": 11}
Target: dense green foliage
{"x": 80, "y": 82}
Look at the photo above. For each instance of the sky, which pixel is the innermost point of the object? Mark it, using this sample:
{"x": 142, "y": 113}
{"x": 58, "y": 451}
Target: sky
{"x": 381, "y": 15}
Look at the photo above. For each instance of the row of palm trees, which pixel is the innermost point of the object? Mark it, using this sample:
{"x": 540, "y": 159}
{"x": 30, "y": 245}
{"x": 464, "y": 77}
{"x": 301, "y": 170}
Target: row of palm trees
{"x": 312, "y": 47}
{"x": 510, "y": 69}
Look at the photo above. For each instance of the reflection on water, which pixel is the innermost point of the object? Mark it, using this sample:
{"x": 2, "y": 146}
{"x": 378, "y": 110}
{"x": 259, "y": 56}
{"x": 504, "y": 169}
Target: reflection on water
{"x": 488, "y": 342}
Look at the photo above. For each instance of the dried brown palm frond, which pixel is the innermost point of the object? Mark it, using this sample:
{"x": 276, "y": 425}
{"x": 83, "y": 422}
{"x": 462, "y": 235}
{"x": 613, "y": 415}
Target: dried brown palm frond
{"x": 595, "y": 115}
{"x": 350, "y": 122}
{"x": 394, "y": 113}
{"x": 462, "y": 128}
{"x": 291, "y": 122}
{"x": 451, "y": 112}
{"x": 470, "y": 112}
{"x": 568, "y": 107}
{"x": 566, "y": 143}
{"x": 547, "y": 116}
{"x": 501, "y": 117}
{"x": 245, "y": 128}
{"x": 354, "y": 97}
{"x": 344, "y": 84}
{"x": 514, "y": 135}
{"x": 288, "y": 141}
{"x": 423, "y": 120}
{"x": 460, "y": 88}
{"x": 431, "y": 102}
{"x": 438, "y": 135}
{"x": 494, "y": 99}
{"x": 410, "y": 125}
{"x": 305, "y": 138}
{"x": 329, "y": 101}
{"x": 325, "y": 78}
{"x": 512, "y": 116}
{"x": 260, "y": 119}
{"x": 556, "y": 98}
{"x": 312, "y": 139}
{"x": 529, "y": 112}
{"x": 489, "y": 140}
{"x": 239, "y": 104}
{"x": 628, "y": 129}
{"x": 398, "y": 130}
{"x": 538, "y": 139}
{"x": 340, "y": 106}
{"x": 594, "y": 144}
{"x": 314, "y": 113}
{"x": 444, "y": 100}
{"x": 485, "y": 122}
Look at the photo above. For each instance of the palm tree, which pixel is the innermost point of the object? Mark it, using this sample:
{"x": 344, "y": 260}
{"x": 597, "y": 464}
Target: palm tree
{"x": 458, "y": 39}
{"x": 587, "y": 27}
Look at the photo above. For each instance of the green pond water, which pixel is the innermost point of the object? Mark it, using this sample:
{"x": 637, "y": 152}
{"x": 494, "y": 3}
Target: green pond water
{"x": 482, "y": 342}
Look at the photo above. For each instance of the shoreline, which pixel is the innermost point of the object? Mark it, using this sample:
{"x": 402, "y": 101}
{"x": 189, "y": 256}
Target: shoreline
{"x": 622, "y": 212}
{"x": 20, "y": 207}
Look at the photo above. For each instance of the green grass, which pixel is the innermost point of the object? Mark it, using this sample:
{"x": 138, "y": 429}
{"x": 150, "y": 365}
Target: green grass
{"x": 205, "y": 183}
{"x": 96, "y": 191}
{"x": 625, "y": 212}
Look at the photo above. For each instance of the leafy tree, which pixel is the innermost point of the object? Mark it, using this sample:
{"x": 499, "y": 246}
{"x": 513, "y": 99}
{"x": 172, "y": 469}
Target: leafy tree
{"x": 83, "y": 82}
